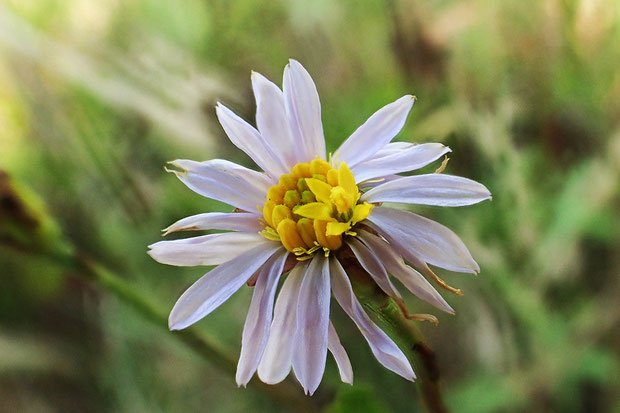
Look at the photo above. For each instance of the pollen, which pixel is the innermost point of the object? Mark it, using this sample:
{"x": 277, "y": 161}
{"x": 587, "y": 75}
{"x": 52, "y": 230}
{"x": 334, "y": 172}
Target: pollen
{"x": 313, "y": 207}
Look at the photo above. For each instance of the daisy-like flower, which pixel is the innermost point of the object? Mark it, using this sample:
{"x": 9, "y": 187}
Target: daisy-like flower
{"x": 305, "y": 211}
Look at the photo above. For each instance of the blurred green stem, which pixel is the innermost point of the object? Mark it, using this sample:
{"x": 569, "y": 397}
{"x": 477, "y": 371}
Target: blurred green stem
{"x": 389, "y": 314}
{"x": 284, "y": 392}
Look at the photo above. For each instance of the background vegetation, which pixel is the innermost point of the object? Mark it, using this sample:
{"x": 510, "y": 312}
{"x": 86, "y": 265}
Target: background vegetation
{"x": 95, "y": 97}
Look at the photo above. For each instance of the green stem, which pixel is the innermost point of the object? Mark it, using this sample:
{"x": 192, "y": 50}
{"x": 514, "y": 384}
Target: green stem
{"x": 285, "y": 392}
{"x": 389, "y": 314}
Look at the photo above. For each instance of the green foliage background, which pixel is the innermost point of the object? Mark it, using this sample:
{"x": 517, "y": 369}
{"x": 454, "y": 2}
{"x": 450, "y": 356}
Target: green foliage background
{"x": 95, "y": 97}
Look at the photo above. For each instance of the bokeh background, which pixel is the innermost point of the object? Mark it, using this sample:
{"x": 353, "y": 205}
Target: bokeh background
{"x": 96, "y": 96}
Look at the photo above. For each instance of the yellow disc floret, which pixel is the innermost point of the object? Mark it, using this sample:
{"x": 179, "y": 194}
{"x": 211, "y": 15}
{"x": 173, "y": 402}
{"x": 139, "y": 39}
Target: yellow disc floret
{"x": 311, "y": 208}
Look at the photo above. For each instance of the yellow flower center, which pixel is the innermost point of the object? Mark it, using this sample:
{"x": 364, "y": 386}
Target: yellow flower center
{"x": 313, "y": 207}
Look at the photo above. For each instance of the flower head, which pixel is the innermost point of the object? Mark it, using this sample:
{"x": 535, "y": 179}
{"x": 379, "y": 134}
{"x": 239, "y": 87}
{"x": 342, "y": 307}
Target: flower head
{"x": 308, "y": 209}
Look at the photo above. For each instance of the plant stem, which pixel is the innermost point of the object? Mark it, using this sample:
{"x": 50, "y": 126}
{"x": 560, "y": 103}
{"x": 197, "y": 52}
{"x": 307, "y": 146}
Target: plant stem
{"x": 389, "y": 314}
{"x": 285, "y": 392}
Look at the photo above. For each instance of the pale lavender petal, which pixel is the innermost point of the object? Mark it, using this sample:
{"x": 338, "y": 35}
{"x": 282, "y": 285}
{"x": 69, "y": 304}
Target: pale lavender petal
{"x": 245, "y": 137}
{"x": 211, "y": 249}
{"x": 382, "y": 346}
{"x": 426, "y": 239}
{"x": 258, "y": 321}
{"x": 376, "y": 182}
{"x": 312, "y": 325}
{"x": 271, "y": 119}
{"x": 405, "y": 159}
{"x": 340, "y": 355}
{"x": 304, "y": 111}
{"x": 225, "y": 181}
{"x": 376, "y": 132}
{"x": 373, "y": 266}
{"x": 413, "y": 280}
{"x": 275, "y": 364}
{"x": 216, "y": 286}
{"x": 236, "y": 221}
{"x": 392, "y": 148}
{"x": 429, "y": 189}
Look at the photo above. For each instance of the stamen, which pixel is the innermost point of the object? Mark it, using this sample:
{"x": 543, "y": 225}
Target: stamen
{"x": 442, "y": 283}
{"x": 417, "y": 317}
{"x": 313, "y": 207}
{"x": 270, "y": 233}
{"x": 423, "y": 317}
{"x": 299, "y": 251}
{"x": 443, "y": 165}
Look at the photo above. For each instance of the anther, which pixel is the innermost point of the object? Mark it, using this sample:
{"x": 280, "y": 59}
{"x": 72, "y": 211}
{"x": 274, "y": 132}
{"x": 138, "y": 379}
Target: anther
{"x": 442, "y": 283}
{"x": 417, "y": 317}
{"x": 443, "y": 165}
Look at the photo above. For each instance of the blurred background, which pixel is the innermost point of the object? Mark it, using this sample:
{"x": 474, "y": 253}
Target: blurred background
{"x": 96, "y": 96}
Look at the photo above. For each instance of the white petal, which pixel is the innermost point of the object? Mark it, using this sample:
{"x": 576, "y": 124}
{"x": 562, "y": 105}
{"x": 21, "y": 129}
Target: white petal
{"x": 373, "y": 266}
{"x": 312, "y": 325}
{"x": 258, "y": 321}
{"x": 413, "y": 280}
{"x": 429, "y": 189}
{"x": 406, "y": 158}
{"x": 340, "y": 355}
{"x": 226, "y": 182}
{"x": 211, "y": 249}
{"x": 237, "y": 221}
{"x": 271, "y": 119}
{"x": 216, "y": 286}
{"x": 304, "y": 111}
{"x": 275, "y": 364}
{"x": 246, "y": 138}
{"x": 382, "y": 346}
{"x": 428, "y": 240}
{"x": 376, "y": 132}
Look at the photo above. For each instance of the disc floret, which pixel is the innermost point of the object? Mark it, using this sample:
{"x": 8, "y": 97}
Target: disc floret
{"x": 313, "y": 207}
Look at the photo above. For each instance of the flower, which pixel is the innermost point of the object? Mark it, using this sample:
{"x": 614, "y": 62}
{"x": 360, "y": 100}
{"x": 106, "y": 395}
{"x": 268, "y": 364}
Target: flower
{"x": 306, "y": 209}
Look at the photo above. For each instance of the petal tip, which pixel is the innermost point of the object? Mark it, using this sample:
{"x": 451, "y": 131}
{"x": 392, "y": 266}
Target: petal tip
{"x": 241, "y": 383}
{"x": 173, "y": 323}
